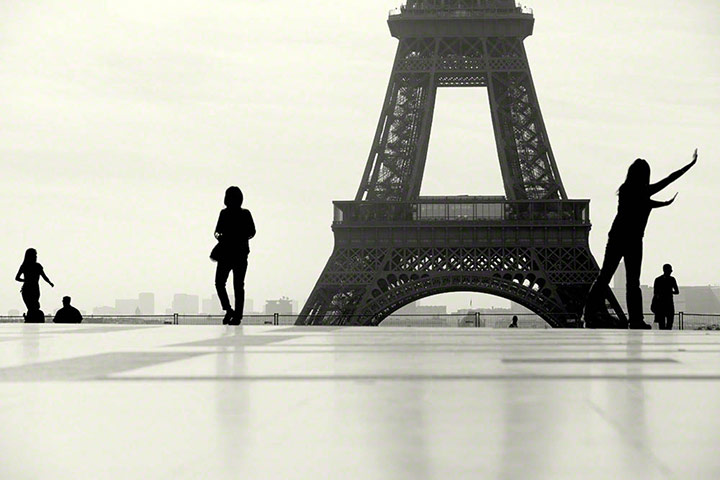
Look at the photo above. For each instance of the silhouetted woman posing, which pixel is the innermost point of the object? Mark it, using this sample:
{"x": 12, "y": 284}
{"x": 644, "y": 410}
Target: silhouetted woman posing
{"x": 625, "y": 240}
{"x": 29, "y": 274}
{"x": 235, "y": 228}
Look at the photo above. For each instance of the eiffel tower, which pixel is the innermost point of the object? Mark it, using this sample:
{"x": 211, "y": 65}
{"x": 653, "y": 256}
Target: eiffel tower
{"x": 393, "y": 246}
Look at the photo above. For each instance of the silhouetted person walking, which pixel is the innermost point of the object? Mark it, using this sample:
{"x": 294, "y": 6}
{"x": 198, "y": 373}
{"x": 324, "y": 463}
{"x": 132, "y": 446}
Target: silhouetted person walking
{"x": 68, "y": 313}
{"x": 514, "y": 323}
{"x": 29, "y": 274}
{"x": 235, "y": 227}
{"x": 663, "y": 304}
{"x": 625, "y": 240}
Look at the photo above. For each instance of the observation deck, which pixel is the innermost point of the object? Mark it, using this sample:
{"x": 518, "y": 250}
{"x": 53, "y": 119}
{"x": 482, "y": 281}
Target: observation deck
{"x": 461, "y": 18}
{"x": 462, "y": 221}
{"x": 469, "y": 210}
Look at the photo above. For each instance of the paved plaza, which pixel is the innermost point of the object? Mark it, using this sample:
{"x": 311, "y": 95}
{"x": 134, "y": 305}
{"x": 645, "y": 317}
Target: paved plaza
{"x": 191, "y": 402}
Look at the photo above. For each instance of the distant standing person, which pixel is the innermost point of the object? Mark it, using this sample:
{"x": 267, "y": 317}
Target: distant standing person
{"x": 663, "y": 305}
{"x": 625, "y": 240}
{"x": 514, "y": 323}
{"x": 235, "y": 227}
{"x": 68, "y": 313}
{"x": 29, "y": 275}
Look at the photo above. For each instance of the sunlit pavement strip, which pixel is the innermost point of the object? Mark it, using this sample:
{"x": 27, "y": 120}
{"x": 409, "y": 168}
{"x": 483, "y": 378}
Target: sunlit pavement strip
{"x": 212, "y": 402}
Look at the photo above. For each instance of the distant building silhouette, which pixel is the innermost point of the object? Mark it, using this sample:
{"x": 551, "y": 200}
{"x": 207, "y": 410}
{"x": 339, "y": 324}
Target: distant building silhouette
{"x": 186, "y": 304}
{"x": 126, "y": 306}
{"x": 211, "y": 305}
{"x": 104, "y": 311}
{"x": 146, "y": 302}
{"x": 283, "y": 306}
{"x": 415, "y": 309}
{"x": 13, "y": 313}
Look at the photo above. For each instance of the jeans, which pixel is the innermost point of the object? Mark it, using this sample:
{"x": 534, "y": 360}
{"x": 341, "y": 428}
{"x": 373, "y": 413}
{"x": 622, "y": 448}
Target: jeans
{"x": 238, "y": 266}
{"x": 630, "y": 250}
{"x": 31, "y": 297}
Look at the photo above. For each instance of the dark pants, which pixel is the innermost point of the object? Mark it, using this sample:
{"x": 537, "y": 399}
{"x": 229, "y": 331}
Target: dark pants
{"x": 31, "y": 297}
{"x": 664, "y": 319}
{"x": 238, "y": 267}
{"x": 617, "y": 249}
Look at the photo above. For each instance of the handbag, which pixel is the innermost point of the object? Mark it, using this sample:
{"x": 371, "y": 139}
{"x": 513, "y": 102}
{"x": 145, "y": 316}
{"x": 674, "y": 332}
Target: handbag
{"x": 217, "y": 253}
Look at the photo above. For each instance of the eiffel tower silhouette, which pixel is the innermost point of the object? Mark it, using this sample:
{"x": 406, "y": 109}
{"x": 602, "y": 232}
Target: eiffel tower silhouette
{"x": 393, "y": 246}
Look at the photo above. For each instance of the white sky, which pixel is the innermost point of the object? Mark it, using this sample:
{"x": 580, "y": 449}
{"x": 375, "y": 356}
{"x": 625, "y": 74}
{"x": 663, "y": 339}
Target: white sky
{"x": 122, "y": 122}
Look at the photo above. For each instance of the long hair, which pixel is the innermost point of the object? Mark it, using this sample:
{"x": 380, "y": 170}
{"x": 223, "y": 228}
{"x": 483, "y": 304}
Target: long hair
{"x": 233, "y": 197}
{"x": 30, "y": 256}
{"x": 638, "y": 176}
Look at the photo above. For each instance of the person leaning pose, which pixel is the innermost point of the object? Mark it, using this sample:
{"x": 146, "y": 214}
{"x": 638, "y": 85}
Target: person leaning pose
{"x": 235, "y": 227}
{"x": 625, "y": 241}
{"x": 29, "y": 274}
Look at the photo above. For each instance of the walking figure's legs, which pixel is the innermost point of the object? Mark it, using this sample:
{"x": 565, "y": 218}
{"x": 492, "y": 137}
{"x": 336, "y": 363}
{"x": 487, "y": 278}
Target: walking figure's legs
{"x": 221, "y": 275}
{"x": 239, "y": 271}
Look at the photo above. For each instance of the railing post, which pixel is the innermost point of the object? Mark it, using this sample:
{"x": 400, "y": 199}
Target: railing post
{"x": 276, "y": 319}
{"x": 176, "y": 319}
{"x": 477, "y": 319}
{"x": 681, "y": 321}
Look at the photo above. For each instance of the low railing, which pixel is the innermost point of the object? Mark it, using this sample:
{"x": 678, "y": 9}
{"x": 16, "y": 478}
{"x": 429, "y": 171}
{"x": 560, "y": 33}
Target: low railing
{"x": 169, "y": 319}
{"x": 458, "y": 209}
{"x": 683, "y": 321}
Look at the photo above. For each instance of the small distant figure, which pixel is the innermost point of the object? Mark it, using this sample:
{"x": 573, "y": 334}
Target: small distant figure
{"x": 68, "y": 313}
{"x": 29, "y": 275}
{"x": 625, "y": 241}
{"x": 235, "y": 227}
{"x": 663, "y": 305}
{"x": 514, "y": 323}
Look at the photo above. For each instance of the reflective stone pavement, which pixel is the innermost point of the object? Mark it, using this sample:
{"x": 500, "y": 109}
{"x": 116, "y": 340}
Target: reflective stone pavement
{"x": 191, "y": 402}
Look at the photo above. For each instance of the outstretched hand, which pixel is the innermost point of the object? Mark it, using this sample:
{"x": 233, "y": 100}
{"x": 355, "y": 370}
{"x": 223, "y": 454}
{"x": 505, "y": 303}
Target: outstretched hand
{"x": 670, "y": 202}
{"x": 694, "y": 160}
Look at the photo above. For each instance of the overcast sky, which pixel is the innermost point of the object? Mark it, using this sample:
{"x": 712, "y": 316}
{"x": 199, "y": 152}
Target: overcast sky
{"x": 122, "y": 122}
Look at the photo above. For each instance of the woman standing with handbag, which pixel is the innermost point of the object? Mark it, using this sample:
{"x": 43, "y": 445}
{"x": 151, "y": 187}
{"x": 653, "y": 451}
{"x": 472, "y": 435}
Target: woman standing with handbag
{"x": 235, "y": 227}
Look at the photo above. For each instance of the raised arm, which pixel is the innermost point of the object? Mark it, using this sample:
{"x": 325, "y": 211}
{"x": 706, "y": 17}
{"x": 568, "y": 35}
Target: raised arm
{"x": 656, "y": 187}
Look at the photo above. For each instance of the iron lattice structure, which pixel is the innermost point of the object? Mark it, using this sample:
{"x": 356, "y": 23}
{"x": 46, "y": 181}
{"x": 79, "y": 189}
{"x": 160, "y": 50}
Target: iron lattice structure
{"x": 393, "y": 247}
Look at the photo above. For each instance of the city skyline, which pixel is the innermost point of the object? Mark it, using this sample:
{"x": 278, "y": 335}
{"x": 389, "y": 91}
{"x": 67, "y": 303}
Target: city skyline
{"x": 700, "y": 297}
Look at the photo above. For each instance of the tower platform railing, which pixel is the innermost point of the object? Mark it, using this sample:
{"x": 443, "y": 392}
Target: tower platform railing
{"x": 459, "y": 8}
{"x": 459, "y": 209}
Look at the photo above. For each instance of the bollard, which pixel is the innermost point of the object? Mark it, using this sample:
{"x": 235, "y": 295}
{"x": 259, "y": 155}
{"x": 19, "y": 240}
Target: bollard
{"x": 276, "y": 319}
{"x": 176, "y": 319}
